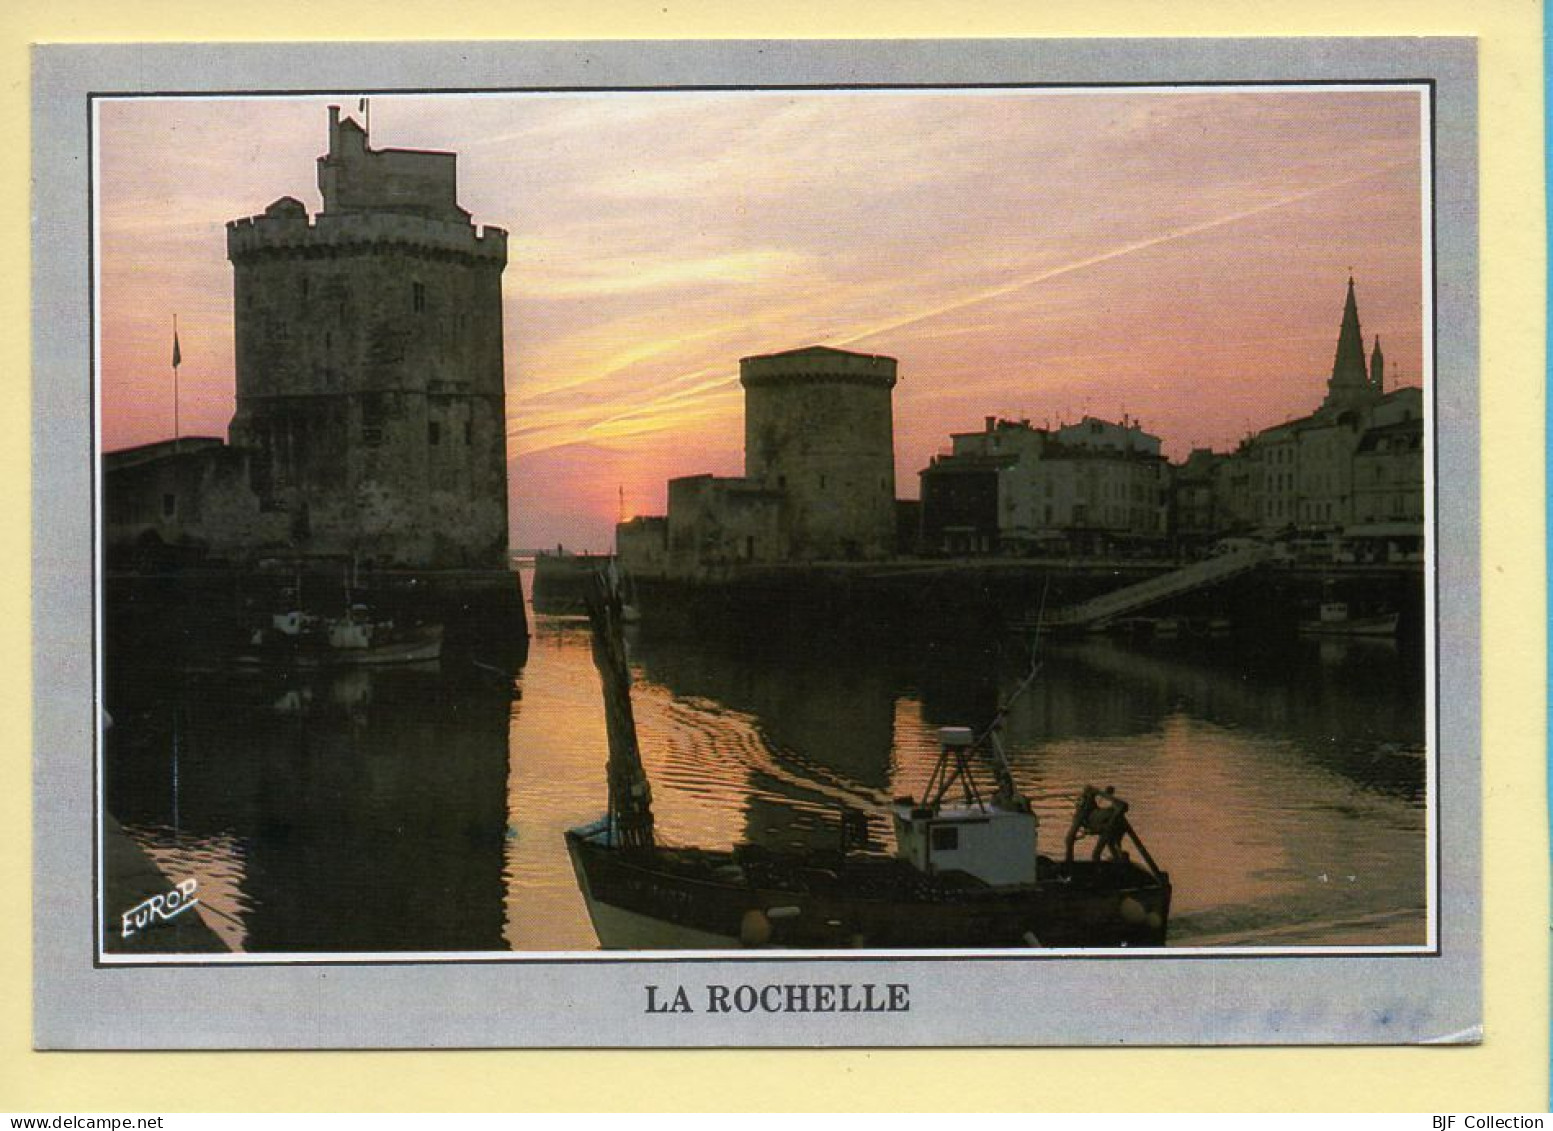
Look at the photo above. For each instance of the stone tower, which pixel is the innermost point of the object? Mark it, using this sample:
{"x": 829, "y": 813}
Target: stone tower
{"x": 818, "y": 427}
{"x": 1350, "y": 385}
{"x": 369, "y": 361}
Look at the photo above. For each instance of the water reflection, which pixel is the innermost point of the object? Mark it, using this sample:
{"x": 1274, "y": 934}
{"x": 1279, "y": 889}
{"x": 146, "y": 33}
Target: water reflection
{"x": 1285, "y": 792}
{"x": 424, "y": 808}
{"x": 359, "y": 810}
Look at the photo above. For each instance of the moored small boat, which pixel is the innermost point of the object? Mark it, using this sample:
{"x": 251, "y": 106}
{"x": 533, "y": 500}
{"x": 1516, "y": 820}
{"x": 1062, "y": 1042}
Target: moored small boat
{"x": 965, "y": 873}
{"x": 299, "y": 639}
{"x": 1335, "y": 619}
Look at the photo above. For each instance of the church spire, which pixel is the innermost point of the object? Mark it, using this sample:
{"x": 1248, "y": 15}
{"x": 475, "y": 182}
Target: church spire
{"x": 1378, "y": 367}
{"x": 1350, "y": 378}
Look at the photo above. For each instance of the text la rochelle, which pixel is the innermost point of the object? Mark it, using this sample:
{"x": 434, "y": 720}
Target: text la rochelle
{"x": 824, "y": 997}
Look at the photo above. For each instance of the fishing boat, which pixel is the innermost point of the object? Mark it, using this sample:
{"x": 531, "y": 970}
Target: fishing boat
{"x": 966, "y": 872}
{"x": 1336, "y": 619}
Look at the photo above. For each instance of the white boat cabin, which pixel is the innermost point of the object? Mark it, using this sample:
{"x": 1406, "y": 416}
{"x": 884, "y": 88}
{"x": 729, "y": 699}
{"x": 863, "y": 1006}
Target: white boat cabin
{"x": 1334, "y": 612}
{"x": 994, "y": 844}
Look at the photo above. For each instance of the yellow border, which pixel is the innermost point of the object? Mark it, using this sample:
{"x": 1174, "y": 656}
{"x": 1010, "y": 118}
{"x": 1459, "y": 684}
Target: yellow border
{"x": 1509, "y": 1072}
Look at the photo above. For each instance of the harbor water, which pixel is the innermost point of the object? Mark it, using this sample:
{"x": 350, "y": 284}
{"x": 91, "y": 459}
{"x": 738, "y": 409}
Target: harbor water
{"x": 422, "y": 808}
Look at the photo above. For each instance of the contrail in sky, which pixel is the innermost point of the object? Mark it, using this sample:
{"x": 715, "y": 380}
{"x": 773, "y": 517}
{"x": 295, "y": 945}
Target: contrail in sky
{"x": 1114, "y": 253}
{"x": 596, "y": 420}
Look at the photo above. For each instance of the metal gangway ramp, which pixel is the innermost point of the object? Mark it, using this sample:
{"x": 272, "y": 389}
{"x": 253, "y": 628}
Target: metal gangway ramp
{"x": 1098, "y": 611}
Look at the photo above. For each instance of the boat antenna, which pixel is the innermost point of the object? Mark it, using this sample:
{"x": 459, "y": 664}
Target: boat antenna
{"x": 1024, "y": 684}
{"x": 630, "y": 793}
{"x": 1040, "y": 620}
{"x": 1007, "y": 792}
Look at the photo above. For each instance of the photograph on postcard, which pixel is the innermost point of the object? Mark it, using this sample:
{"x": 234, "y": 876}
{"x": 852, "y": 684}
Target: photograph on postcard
{"x": 732, "y": 520}
{"x": 756, "y": 543}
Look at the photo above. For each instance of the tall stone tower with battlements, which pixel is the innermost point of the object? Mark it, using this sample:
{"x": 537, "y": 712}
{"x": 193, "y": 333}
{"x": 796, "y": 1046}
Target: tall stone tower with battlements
{"x": 369, "y": 362}
{"x": 819, "y": 428}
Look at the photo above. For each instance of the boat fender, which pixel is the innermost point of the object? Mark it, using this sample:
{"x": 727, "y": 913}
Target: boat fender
{"x": 1032, "y": 941}
{"x": 1132, "y": 911}
{"x": 788, "y": 912}
{"x": 754, "y": 928}
{"x": 1155, "y": 920}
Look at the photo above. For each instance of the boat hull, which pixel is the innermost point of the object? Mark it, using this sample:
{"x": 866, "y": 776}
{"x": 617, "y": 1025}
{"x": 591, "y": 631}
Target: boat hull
{"x": 1361, "y": 626}
{"x": 697, "y": 899}
{"x": 412, "y": 646}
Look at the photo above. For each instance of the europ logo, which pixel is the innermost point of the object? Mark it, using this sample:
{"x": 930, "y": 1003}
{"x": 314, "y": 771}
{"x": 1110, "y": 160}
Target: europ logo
{"x": 160, "y": 908}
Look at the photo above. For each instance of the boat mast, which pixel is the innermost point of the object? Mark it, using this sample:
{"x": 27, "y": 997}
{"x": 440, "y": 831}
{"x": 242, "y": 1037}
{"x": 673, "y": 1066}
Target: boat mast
{"x": 630, "y": 794}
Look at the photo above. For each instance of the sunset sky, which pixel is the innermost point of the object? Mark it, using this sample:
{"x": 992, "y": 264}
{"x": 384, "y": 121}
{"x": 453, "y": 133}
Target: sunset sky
{"x": 1178, "y": 256}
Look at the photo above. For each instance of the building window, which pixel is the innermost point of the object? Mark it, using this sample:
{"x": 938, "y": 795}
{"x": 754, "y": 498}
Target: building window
{"x": 822, "y": 479}
{"x": 372, "y": 413}
{"x": 304, "y": 286}
{"x": 433, "y": 432}
{"x": 169, "y": 505}
{"x": 418, "y": 297}
{"x": 946, "y": 838}
{"x": 469, "y": 433}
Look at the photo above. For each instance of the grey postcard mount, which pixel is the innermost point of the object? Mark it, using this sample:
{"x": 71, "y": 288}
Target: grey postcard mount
{"x": 888, "y": 543}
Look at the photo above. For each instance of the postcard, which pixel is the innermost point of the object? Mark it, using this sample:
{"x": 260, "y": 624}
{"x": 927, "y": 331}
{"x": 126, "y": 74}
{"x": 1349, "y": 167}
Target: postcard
{"x": 756, "y": 543}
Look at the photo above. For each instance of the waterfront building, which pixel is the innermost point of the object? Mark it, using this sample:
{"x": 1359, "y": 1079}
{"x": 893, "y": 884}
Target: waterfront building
{"x": 1274, "y": 456}
{"x": 1324, "y": 449}
{"x": 1091, "y": 487}
{"x": 962, "y": 498}
{"x": 1388, "y": 474}
{"x": 1388, "y": 478}
{"x": 167, "y": 502}
{"x": 1097, "y": 487}
{"x": 1235, "y": 497}
{"x": 713, "y": 521}
{"x": 1303, "y": 476}
{"x": 371, "y": 416}
{"x": 644, "y": 541}
{"x": 1199, "y": 499}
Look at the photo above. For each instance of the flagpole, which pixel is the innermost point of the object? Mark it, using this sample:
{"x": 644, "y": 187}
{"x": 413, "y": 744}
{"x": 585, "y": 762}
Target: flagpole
{"x": 177, "y": 358}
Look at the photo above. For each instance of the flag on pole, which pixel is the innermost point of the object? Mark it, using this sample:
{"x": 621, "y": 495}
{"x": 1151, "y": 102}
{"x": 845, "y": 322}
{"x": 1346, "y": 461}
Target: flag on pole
{"x": 177, "y": 353}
